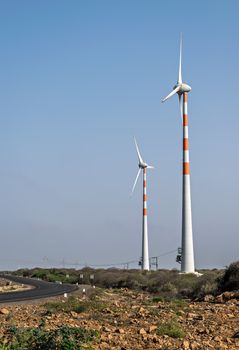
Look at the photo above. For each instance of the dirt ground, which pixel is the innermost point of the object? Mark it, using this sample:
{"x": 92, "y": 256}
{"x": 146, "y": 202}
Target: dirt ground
{"x": 128, "y": 320}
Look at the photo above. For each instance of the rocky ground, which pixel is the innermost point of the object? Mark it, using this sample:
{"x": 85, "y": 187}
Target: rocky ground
{"x": 128, "y": 320}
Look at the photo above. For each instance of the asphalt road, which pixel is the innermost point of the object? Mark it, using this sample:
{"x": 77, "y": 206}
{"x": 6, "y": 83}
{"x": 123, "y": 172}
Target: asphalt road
{"x": 41, "y": 289}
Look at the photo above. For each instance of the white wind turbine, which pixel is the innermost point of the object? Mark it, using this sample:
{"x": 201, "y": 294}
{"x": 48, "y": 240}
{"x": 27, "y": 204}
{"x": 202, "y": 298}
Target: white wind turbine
{"x": 182, "y": 89}
{"x": 145, "y": 245}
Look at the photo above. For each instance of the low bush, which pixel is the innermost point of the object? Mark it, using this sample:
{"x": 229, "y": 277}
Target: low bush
{"x": 73, "y": 304}
{"x": 230, "y": 279}
{"x": 63, "y": 338}
{"x": 169, "y": 284}
{"x": 158, "y": 299}
{"x": 172, "y": 329}
{"x": 206, "y": 284}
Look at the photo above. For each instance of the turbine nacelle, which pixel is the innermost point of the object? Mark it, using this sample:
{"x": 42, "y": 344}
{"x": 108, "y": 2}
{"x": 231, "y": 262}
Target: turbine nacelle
{"x": 182, "y": 88}
{"x": 143, "y": 165}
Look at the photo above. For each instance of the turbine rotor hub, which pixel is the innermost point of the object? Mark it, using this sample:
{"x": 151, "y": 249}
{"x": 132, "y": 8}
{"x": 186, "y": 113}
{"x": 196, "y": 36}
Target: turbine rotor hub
{"x": 182, "y": 88}
{"x": 143, "y": 165}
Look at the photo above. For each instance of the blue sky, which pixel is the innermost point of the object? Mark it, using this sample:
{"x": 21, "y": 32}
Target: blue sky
{"x": 78, "y": 79}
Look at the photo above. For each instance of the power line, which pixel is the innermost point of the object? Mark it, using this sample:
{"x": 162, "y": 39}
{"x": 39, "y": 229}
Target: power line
{"x": 65, "y": 263}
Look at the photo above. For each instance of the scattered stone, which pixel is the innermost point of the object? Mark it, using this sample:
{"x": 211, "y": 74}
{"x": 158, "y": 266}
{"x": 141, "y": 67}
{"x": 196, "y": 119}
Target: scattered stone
{"x": 4, "y": 311}
{"x": 236, "y": 335}
{"x": 194, "y": 346}
{"x": 186, "y": 345}
{"x": 208, "y": 298}
{"x": 217, "y": 338}
{"x": 226, "y": 296}
{"x": 106, "y": 329}
{"x": 142, "y": 331}
{"x": 108, "y": 311}
{"x": 141, "y": 310}
{"x": 208, "y": 326}
{"x": 152, "y": 328}
{"x": 120, "y": 330}
{"x": 230, "y": 295}
{"x": 219, "y": 299}
{"x": 134, "y": 321}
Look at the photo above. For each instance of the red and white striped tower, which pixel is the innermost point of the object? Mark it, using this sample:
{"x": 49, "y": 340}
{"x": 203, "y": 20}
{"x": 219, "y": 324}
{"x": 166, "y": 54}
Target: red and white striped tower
{"x": 187, "y": 264}
{"x": 145, "y": 244}
{"x": 182, "y": 89}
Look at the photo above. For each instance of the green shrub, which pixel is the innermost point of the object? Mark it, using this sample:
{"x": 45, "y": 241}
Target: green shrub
{"x": 206, "y": 284}
{"x": 114, "y": 278}
{"x": 158, "y": 279}
{"x": 62, "y": 338}
{"x": 169, "y": 287}
{"x": 169, "y": 284}
{"x": 230, "y": 278}
{"x": 157, "y": 299}
{"x": 73, "y": 304}
{"x": 172, "y": 329}
{"x": 179, "y": 303}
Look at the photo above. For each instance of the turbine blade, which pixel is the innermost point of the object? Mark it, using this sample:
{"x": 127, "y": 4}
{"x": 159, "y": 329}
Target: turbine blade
{"x": 180, "y": 62}
{"x": 181, "y": 106}
{"x": 171, "y": 93}
{"x": 137, "y": 176}
{"x": 137, "y": 149}
{"x": 150, "y": 167}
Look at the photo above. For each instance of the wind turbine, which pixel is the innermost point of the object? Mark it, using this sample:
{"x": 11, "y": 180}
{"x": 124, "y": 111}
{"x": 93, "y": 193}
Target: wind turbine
{"x": 145, "y": 245}
{"x": 182, "y": 89}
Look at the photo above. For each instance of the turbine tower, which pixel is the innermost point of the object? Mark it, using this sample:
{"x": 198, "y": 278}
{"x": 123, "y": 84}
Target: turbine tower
{"x": 145, "y": 245}
{"x": 182, "y": 89}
